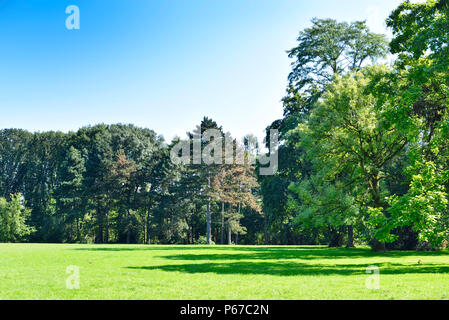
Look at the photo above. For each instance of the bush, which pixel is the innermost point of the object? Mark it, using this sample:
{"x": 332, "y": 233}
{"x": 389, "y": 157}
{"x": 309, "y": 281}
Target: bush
{"x": 13, "y": 215}
{"x": 203, "y": 240}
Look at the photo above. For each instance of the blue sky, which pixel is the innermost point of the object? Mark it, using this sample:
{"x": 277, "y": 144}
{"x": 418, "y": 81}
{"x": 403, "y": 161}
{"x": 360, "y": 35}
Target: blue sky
{"x": 161, "y": 64}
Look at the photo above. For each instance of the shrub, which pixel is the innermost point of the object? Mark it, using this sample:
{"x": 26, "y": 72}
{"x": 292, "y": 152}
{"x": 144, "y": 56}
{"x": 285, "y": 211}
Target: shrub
{"x": 13, "y": 215}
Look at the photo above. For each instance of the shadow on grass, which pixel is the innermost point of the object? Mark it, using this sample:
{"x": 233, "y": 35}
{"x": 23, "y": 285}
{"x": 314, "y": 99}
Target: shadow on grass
{"x": 142, "y": 248}
{"x": 207, "y": 259}
{"x": 236, "y": 253}
{"x": 198, "y": 253}
{"x": 180, "y": 248}
{"x": 303, "y": 254}
{"x": 277, "y": 254}
{"x": 294, "y": 269}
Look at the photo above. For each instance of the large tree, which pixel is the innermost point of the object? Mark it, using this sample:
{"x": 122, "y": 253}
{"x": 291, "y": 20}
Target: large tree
{"x": 325, "y": 50}
{"x": 349, "y": 138}
{"x": 234, "y": 186}
{"x": 421, "y": 43}
{"x": 203, "y": 173}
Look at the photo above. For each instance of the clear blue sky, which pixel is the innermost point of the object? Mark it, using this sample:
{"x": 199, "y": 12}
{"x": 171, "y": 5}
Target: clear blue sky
{"x": 161, "y": 64}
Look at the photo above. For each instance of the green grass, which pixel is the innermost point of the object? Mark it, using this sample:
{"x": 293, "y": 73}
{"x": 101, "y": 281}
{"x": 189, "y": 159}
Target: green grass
{"x": 38, "y": 271}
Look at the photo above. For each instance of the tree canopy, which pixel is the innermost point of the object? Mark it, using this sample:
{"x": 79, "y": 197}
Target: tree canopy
{"x": 363, "y": 157}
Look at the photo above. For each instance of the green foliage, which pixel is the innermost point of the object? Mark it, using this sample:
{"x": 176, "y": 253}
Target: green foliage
{"x": 110, "y": 183}
{"x": 376, "y": 140}
{"x": 420, "y": 30}
{"x": 13, "y": 219}
{"x": 325, "y": 50}
{"x": 421, "y": 44}
{"x": 424, "y": 206}
{"x": 330, "y": 48}
{"x": 364, "y": 154}
{"x": 349, "y": 141}
{"x": 202, "y": 240}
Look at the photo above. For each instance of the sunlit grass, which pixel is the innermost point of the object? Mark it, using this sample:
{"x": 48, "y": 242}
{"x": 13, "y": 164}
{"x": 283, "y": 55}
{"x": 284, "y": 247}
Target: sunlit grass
{"x": 38, "y": 271}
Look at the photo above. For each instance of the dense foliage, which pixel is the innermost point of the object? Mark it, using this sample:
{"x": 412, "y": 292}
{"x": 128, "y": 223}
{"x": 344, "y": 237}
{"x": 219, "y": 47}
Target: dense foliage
{"x": 363, "y": 157}
{"x": 13, "y": 215}
{"x": 112, "y": 183}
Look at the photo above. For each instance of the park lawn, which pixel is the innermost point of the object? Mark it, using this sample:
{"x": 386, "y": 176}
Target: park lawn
{"x": 38, "y": 271}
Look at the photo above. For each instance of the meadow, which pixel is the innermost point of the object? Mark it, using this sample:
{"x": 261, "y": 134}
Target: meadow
{"x": 39, "y": 271}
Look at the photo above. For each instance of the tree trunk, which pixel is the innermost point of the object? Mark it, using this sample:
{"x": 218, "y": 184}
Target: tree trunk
{"x": 375, "y": 185}
{"x": 128, "y": 232}
{"x": 237, "y": 234}
{"x": 147, "y": 235}
{"x": 229, "y": 233}
{"x": 336, "y": 239}
{"x": 222, "y": 223}
{"x": 71, "y": 233}
{"x": 350, "y": 243}
{"x": 208, "y": 216}
{"x": 265, "y": 222}
{"x": 106, "y": 231}
{"x": 209, "y": 224}
{"x": 377, "y": 246}
{"x": 78, "y": 233}
{"x": 128, "y": 236}
{"x": 99, "y": 238}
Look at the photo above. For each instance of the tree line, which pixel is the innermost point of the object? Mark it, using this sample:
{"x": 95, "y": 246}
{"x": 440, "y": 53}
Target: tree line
{"x": 363, "y": 157}
{"x": 117, "y": 183}
{"x": 364, "y": 153}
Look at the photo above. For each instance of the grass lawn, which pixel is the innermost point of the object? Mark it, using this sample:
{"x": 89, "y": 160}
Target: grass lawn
{"x": 38, "y": 271}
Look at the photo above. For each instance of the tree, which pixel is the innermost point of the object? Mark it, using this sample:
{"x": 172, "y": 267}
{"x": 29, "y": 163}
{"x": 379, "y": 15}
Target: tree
{"x": 424, "y": 207}
{"x": 110, "y": 183}
{"x": 13, "y": 216}
{"x": 421, "y": 43}
{"x": 205, "y": 171}
{"x": 45, "y": 152}
{"x": 420, "y": 30}
{"x": 100, "y": 157}
{"x": 70, "y": 193}
{"x": 233, "y": 186}
{"x": 349, "y": 138}
{"x": 325, "y": 50}
{"x": 157, "y": 174}
{"x": 14, "y": 149}
{"x": 123, "y": 185}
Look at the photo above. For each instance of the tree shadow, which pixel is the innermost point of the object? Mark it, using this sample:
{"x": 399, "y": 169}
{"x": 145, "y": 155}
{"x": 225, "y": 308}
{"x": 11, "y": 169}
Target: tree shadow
{"x": 277, "y": 254}
{"x": 303, "y": 253}
{"x": 294, "y": 269}
{"x": 241, "y": 252}
{"x": 143, "y": 248}
{"x": 112, "y": 247}
{"x": 236, "y": 253}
